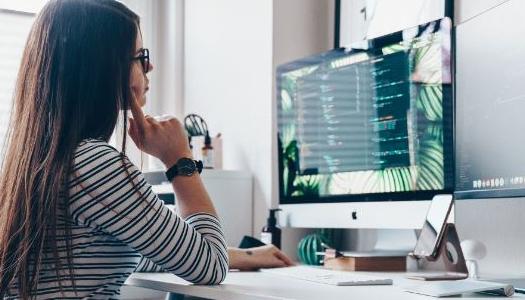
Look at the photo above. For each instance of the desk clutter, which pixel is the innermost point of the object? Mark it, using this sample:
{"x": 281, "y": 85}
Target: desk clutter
{"x": 203, "y": 146}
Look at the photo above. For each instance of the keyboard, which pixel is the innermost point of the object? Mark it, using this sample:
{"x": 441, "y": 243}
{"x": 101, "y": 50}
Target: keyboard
{"x": 325, "y": 276}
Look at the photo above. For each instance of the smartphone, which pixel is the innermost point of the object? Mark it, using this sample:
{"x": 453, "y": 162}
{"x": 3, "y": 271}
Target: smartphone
{"x": 432, "y": 232}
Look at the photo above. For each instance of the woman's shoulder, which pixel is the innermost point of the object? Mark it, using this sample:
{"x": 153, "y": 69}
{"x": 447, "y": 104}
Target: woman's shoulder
{"x": 95, "y": 145}
{"x": 95, "y": 150}
{"x": 97, "y": 159}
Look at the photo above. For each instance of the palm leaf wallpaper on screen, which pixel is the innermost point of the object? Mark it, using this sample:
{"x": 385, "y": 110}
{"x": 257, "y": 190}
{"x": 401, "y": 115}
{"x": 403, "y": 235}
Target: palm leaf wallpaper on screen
{"x": 426, "y": 169}
{"x": 428, "y": 80}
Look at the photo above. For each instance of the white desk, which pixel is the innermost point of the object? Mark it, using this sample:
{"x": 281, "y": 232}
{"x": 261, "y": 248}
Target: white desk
{"x": 259, "y": 286}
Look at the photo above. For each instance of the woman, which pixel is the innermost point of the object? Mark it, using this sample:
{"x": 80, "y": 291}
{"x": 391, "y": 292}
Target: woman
{"x": 76, "y": 216}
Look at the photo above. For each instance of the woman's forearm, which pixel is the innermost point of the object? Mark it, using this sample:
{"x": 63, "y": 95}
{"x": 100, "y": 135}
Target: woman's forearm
{"x": 191, "y": 196}
{"x": 238, "y": 257}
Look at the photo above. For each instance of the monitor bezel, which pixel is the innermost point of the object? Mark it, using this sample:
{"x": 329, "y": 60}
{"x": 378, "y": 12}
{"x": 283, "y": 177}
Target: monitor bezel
{"x": 448, "y": 135}
{"x": 486, "y": 194}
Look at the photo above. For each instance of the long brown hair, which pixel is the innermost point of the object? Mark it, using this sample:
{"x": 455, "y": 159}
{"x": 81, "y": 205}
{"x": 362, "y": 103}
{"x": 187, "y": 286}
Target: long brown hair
{"x": 72, "y": 83}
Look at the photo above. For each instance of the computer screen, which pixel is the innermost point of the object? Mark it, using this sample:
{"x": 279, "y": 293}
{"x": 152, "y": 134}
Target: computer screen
{"x": 490, "y": 107}
{"x": 368, "y": 123}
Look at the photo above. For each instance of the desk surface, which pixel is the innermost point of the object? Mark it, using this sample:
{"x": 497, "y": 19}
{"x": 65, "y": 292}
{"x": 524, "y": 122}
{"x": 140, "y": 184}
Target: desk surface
{"x": 258, "y": 286}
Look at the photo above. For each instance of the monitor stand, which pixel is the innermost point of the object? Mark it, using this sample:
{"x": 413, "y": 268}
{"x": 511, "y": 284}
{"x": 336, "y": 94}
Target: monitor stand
{"x": 395, "y": 240}
{"x": 392, "y": 241}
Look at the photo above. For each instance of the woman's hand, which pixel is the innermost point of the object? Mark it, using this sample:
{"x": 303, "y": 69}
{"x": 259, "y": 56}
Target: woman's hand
{"x": 163, "y": 137}
{"x": 259, "y": 257}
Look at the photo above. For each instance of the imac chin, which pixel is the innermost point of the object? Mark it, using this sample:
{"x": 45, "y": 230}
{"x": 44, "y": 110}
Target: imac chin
{"x": 379, "y": 215}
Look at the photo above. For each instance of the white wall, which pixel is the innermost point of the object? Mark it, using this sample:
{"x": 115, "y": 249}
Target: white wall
{"x": 228, "y": 80}
{"x": 301, "y": 28}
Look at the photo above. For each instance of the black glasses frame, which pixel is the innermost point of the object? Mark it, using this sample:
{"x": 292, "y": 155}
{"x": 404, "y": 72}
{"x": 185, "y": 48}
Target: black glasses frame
{"x": 144, "y": 59}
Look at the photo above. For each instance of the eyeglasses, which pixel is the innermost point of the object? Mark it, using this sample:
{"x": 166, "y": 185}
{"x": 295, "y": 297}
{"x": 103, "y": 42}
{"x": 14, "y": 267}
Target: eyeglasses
{"x": 144, "y": 59}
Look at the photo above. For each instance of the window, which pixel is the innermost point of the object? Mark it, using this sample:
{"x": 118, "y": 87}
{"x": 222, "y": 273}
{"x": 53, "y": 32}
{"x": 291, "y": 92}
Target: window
{"x": 14, "y": 28}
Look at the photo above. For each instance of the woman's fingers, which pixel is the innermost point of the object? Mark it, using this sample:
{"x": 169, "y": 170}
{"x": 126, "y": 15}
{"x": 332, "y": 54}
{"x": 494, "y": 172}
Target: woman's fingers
{"x": 278, "y": 263}
{"x": 286, "y": 260}
{"x": 163, "y": 118}
{"x": 162, "y": 137}
{"x": 133, "y": 132}
{"x": 138, "y": 115}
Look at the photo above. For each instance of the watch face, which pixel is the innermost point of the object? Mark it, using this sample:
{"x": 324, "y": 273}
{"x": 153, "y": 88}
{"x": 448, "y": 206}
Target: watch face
{"x": 186, "y": 166}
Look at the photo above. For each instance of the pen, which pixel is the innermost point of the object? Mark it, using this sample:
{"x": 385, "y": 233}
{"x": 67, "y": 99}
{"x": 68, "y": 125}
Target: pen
{"x": 506, "y": 291}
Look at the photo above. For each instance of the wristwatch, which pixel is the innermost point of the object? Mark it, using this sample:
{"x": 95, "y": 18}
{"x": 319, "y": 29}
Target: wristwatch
{"x": 184, "y": 167}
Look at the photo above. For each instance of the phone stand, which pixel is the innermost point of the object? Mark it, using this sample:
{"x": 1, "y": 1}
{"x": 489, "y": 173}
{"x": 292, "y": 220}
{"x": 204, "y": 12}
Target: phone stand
{"x": 449, "y": 263}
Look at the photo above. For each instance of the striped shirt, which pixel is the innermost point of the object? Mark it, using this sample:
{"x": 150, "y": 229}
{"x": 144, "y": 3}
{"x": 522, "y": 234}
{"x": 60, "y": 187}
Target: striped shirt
{"x": 119, "y": 226}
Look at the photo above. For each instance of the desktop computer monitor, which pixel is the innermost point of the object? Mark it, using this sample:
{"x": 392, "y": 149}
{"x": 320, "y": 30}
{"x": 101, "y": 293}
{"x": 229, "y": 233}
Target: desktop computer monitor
{"x": 490, "y": 133}
{"x": 365, "y": 133}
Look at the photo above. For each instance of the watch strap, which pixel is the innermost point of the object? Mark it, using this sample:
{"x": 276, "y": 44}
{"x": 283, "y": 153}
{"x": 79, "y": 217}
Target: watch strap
{"x": 173, "y": 171}
{"x": 199, "y": 165}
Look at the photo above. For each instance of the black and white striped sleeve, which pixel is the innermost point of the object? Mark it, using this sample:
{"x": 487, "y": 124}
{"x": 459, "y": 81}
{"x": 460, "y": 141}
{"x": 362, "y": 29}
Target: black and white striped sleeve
{"x": 108, "y": 193}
